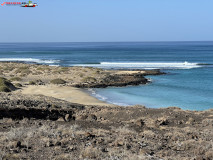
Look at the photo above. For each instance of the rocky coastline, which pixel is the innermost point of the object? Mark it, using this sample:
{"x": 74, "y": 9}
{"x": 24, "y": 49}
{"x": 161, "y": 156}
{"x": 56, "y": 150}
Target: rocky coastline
{"x": 39, "y": 127}
{"x": 80, "y": 77}
{"x": 35, "y": 126}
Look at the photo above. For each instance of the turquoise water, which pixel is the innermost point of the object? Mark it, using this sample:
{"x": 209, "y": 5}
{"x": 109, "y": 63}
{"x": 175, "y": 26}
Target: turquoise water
{"x": 189, "y": 89}
{"x": 187, "y": 84}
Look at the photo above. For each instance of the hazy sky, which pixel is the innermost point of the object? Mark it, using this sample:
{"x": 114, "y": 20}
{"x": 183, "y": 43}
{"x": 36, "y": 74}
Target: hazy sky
{"x": 108, "y": 20}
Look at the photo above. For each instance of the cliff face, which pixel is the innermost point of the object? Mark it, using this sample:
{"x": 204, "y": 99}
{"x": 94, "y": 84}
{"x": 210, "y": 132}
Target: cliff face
{"x": 39, "y": 127}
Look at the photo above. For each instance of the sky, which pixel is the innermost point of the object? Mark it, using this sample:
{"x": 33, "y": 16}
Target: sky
{"x": 107, "y": 21}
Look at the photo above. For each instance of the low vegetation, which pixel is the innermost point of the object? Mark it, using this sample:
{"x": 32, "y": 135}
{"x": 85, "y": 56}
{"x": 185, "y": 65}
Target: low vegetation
{"x": 32, "y": 83}
{"x": 15, "y": 79}
{"x": 58, "y": 81}
{"x": 69, "y": 131}
{"x": 81, "y": 77}
{"x": 23, "y": 71}
{"x": 43, "y": 68}
{"x": 64, "y": 69}
{"x": 89, "y": 79}
{"x": 6, "y": 86}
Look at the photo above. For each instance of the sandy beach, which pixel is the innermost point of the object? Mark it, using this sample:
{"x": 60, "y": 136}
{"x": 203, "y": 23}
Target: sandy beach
{"x": 70, "y": 94}
{"x": 69, "y": 83}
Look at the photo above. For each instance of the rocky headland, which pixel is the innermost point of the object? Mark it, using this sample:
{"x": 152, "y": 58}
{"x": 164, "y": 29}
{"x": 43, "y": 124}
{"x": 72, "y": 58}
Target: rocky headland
{"x": 81, "y": 77}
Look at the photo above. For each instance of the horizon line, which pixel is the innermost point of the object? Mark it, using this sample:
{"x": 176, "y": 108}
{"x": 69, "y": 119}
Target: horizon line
{"x": 111, "y": 41}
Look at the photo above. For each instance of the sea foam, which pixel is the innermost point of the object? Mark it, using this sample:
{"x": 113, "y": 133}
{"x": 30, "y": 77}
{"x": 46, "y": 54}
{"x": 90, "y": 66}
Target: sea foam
{"x": 144, "y": 65}
{"x": 28, "y": 60}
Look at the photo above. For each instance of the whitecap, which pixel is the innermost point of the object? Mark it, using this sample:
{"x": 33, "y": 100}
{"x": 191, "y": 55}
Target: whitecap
{"x": 28, "y": 60}
{"x": 144, "y": 65}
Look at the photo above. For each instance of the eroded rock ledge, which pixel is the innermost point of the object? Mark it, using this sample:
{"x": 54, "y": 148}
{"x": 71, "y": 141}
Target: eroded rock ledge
{"x": 39, "y": 127}
{"x": 18, "y": 107}
{"x": 121, "y": 79}
{"x": 116, "y": 81}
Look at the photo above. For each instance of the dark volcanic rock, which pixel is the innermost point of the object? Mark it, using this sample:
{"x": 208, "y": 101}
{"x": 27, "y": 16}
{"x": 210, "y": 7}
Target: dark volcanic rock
{"x": 116, "y": 81}
{"x": 120, "y": 80}
{"x": 30, "y": 129}
{"x": 20, "y": 106}
{"x": 33, "y": 113}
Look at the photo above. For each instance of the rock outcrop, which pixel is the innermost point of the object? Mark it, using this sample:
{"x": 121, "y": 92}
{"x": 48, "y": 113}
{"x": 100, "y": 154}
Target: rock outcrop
{"x": 39, "y": 127}
{"x": 116, "y": 81}
{"x": 120, "y": 80}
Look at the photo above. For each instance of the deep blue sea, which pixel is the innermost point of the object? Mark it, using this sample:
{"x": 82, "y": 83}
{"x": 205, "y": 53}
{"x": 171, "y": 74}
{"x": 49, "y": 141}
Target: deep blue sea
{"x": 188, "y": 83}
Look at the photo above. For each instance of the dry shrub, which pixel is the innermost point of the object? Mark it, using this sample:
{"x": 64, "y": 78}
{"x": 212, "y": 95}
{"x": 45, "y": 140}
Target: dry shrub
{"x": 89, "y": 79}
{"x": 90, "y": 152}
{"x": 58, "y": 81}
{"x": 15, "y": 79}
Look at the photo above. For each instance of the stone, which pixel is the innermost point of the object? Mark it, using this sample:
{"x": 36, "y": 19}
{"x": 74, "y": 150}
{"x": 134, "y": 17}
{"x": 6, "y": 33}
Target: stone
{"x": 67, "y": 117}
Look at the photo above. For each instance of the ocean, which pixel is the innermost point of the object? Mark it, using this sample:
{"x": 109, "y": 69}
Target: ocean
{"x": 188, "y": 83}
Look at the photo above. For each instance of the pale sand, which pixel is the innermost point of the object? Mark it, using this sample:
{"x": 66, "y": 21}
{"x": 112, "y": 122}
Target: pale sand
{"x": 70, "y": 94}
{"x": 130, "y": 72}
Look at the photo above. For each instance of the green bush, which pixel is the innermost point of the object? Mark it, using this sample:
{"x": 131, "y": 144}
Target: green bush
{"x": 5, "y": 85}
{"x": 4, "y": 89}
{"x": 58, "y": 81}
{"x": 32, "y": 83}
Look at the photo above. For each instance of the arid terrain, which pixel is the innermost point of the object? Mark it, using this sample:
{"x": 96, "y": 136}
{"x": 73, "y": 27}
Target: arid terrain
{"x": 47, "y": 126}
{"x": 81, "y": 77}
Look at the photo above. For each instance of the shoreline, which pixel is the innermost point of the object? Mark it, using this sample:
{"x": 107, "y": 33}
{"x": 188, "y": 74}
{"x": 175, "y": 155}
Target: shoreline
{"x": 25, "y": 75}
{"x": 65, "y": 82}
{"x": 44, "y": 115}
{"x": 70, "y": 94}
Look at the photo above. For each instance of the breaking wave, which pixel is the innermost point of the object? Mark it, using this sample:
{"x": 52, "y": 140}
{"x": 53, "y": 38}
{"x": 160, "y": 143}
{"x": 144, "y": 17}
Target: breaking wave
{"x": 29, "y": 60}
{"x": 144, "y": 65}
{"x": 103, "y": 98}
